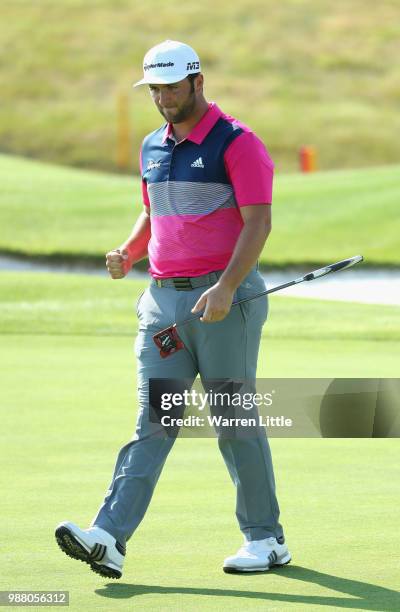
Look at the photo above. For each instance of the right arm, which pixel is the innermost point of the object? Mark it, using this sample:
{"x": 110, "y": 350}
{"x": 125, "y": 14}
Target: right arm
{"x": 119, "y": 261}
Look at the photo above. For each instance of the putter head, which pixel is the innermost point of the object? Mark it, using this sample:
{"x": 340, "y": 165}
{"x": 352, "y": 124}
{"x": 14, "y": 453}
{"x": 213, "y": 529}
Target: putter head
{"x": 168, "y": 341}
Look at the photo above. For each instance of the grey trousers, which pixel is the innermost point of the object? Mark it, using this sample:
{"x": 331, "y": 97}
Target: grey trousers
{"x": 225, "y": 349}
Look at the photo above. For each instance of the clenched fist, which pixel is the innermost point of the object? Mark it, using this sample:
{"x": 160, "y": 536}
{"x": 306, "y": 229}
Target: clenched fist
{"x": 118, "y": 263}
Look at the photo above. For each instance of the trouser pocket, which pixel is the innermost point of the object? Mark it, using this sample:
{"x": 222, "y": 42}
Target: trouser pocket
{"x": 138, "y": 302}
{"x": 252, "y": 285}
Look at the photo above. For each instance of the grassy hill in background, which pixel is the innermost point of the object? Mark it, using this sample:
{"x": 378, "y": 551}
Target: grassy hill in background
{"x": 298, "y": 72}
{"x": 317, "y": 219}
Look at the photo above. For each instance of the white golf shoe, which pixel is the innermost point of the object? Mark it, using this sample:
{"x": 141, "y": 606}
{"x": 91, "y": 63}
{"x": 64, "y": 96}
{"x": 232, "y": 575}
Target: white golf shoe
{"x": 94, "y": 546}
{"x": 257, "y": 556}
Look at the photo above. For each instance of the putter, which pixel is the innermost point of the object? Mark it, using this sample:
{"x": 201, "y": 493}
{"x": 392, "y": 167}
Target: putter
{"x": 169, "y": 342}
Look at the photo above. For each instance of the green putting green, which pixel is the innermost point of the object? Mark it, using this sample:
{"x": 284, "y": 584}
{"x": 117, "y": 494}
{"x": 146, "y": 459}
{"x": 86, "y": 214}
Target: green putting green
{"x": 68, "y": 403}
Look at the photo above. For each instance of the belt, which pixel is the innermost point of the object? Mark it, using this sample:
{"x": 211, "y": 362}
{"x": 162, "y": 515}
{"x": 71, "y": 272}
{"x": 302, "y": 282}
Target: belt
{"x": 187, "y": 283}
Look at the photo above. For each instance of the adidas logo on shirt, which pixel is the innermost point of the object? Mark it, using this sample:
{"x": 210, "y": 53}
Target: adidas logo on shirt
{"x": 198, "y": 163}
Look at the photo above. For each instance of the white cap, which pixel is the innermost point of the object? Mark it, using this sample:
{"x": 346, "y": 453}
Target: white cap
{"x": 169, "y": 62}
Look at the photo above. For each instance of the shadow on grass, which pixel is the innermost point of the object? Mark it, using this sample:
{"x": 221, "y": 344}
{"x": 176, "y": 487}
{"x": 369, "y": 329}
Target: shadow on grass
{"x": 364, "y": 596}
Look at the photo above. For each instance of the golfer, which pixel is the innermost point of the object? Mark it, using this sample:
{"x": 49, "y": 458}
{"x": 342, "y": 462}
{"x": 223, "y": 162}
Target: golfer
{"x": 207, "y": 190}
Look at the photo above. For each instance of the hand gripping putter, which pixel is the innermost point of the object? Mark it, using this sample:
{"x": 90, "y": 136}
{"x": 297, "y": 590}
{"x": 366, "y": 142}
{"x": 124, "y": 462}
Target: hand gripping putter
{"x": 169, "y": 342}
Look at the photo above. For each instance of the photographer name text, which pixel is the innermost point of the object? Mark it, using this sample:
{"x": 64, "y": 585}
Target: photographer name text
{"x": 220, "y": 421}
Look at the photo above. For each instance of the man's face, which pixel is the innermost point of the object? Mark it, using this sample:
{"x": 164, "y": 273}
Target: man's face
{"x": 176, "y": 102}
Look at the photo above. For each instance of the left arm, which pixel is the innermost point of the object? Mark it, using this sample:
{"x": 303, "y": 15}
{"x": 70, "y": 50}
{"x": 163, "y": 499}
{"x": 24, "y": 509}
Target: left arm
{"x": 217, "y": 300}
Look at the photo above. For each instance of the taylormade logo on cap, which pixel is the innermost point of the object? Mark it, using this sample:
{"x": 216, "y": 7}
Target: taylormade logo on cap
{"x": 169, "y": 62}
{"x": 159, "y": 65}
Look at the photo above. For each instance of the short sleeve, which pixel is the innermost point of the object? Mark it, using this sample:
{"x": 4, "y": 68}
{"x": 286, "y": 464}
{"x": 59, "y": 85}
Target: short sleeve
{"x": 145, "y": 195}
{"x": 250, "y": 170}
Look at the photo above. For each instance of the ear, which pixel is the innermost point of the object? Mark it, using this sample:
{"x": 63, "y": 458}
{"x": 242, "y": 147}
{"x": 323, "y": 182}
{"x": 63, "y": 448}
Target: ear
{"x": 198, "y": 83}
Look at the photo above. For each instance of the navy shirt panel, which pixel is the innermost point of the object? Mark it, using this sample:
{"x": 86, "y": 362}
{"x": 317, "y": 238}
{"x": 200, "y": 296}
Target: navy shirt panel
{"x": 188, "y": 161}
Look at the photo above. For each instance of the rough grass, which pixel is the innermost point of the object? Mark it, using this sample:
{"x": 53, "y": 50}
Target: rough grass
{"x": 302, "y": 338}
{"x": 55, "y": 211}
{"x": 298, "y": 72}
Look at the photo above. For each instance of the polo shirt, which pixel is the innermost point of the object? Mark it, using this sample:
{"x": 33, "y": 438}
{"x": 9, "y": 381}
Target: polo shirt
{"x": 195, "y": 189}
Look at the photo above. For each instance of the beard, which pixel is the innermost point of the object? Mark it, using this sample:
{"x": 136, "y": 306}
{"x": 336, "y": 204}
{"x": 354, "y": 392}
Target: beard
{"x": 183, "y": 113}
